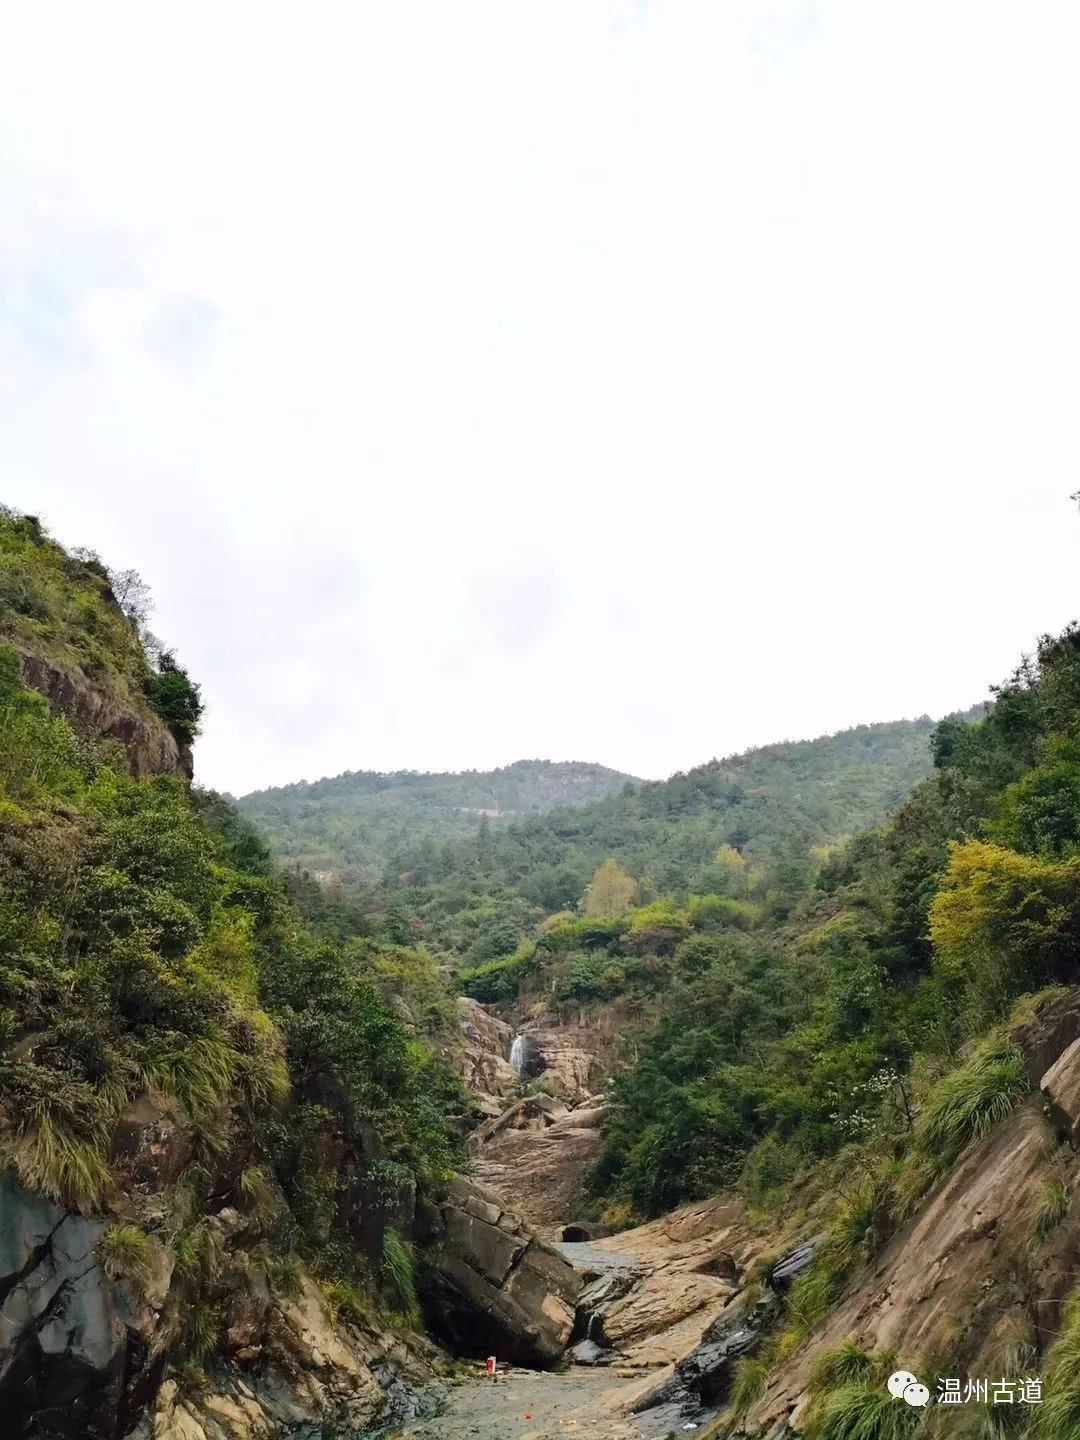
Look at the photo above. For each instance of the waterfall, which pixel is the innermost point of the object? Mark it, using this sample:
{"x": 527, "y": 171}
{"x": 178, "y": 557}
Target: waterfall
{"x": 517, "y": 1055}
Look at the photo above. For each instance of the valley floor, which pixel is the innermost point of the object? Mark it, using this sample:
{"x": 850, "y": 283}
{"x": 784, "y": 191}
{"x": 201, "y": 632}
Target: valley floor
{"x": 528, "y": 1405}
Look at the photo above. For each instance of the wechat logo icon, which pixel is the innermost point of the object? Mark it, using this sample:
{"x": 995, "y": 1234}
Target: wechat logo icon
{"x": 904, "y": 1386}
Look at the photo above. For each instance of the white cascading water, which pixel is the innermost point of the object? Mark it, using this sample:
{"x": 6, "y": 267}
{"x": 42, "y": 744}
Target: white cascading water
{"x": 517, "y": 1055}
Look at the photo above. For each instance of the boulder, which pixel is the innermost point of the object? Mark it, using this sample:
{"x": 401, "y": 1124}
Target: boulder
{"x": 493, "y": 1287}
{"x": 1060, "y": 1086}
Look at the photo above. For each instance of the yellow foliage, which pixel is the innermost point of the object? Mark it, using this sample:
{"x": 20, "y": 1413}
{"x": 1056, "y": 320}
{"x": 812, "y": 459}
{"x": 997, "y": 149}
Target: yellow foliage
{"x": 992, "y": 898}
{"x": 612, "y": 891}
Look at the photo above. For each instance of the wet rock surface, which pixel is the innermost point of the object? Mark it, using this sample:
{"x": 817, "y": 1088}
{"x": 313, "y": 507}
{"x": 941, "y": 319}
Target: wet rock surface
{"x": 785, "y": 1271}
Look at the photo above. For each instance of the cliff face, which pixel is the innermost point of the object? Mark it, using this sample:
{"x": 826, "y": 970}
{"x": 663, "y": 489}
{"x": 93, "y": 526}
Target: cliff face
{"x": 148, "y": 743}
{"x": 87, "y": 1350}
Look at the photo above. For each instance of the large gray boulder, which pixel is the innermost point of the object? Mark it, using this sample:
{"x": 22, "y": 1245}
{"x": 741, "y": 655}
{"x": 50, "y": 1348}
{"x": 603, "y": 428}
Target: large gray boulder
{"x": 493, "y": 1287}
{"x": 68, "y": 1352}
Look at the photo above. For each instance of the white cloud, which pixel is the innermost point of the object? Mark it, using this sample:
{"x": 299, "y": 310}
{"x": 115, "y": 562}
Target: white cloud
{"x": 613, "y": 380}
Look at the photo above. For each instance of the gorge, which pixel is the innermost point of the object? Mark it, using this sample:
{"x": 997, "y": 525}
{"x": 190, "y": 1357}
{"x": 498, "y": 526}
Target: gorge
{"x": 701, "y": 1105}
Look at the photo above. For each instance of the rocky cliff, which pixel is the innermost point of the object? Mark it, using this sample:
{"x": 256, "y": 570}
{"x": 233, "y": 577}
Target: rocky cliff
{"x": 148, "y": 744}
{"x": 543, "y": 1120}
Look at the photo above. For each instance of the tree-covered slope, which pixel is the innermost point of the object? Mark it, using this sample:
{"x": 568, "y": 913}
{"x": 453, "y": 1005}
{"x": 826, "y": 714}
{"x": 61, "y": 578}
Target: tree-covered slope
{"x": 157, "y": 977}
{"x": 474, "y": 885}
{"x": 366, "y": 826}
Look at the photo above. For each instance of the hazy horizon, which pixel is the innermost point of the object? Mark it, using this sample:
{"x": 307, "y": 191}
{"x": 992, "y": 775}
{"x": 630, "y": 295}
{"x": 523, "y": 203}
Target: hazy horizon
{"x": 471, "y": 382}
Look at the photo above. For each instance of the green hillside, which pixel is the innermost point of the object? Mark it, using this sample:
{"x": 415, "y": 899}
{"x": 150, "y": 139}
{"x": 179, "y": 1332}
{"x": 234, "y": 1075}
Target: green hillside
{"x": 150, "y": 955}
{"x": 366, "y": 826}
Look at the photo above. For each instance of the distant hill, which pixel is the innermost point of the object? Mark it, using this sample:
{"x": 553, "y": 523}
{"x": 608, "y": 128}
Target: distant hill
{"x": 770, "y": 803}
{"x": 366, "y": 827}
{"x": 474, "y": 882}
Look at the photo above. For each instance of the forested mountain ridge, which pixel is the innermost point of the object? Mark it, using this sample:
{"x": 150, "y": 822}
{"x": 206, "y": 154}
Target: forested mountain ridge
{"x": 362, "y": 825}
{"x": 479, "y": 893}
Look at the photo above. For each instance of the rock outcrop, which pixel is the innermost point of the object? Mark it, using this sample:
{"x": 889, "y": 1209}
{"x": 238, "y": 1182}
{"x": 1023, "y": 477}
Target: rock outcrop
{"x": 494, "y": 1288}
{"x": 483, "y": 1055}
{"x": 150, "y": 746}
{"x": 562, "y": 1058}
{"x": 652, "y": 1293}
{"x": 536, "y": 1156}
{"x": 970, "y": 1269}
{"x": 87, "y": 1354}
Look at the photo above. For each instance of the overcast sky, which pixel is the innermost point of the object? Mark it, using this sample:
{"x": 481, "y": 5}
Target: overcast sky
{"x": 622, "y": 381}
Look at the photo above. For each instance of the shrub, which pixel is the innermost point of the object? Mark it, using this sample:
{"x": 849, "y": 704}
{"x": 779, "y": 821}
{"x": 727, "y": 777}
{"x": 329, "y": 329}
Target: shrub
{"x": 175, "y": 697}
{"x": 1003, "y": 923}
{"x": 658, "y": 927}
{"x": 499, "y": 979}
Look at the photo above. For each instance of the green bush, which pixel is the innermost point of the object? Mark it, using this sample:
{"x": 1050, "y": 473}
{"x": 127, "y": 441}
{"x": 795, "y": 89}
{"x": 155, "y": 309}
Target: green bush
{"x": 498, "y": 979}
{"x": 175, "y": 697}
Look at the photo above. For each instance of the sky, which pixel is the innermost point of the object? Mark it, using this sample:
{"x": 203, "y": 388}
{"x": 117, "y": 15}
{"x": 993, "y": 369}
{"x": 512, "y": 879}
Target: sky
{"x": 609, "y": 380}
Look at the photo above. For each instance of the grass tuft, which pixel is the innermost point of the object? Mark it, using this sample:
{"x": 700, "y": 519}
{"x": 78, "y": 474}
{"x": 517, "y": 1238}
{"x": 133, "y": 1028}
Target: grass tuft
{"x": 1058, "y": 1418}
{"x": 966, "y": 1105}
{"x": 863, "y": 1410}
{"x": 57, "y": 1143}
{"x": 1051, "y": 1210}
{"x": 751, "y": 1377}
{"x": 258, "y": 1195}
{"x": 399, "y": 1275}
{"x": 124, "y": 1253}
{"x": 844, "y": 1364}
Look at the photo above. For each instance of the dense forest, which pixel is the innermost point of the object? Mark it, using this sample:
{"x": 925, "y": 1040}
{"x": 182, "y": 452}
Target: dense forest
{"x": 363, "y": 828}
{"x": 478, "y": 895}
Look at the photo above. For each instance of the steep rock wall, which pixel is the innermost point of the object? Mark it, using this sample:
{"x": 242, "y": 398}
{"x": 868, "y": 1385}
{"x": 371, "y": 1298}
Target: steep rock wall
{"x": 150, "y": 746}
